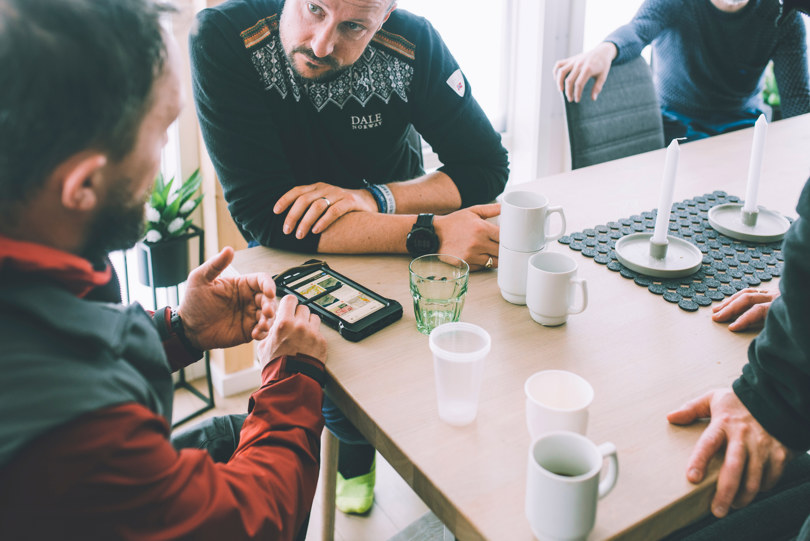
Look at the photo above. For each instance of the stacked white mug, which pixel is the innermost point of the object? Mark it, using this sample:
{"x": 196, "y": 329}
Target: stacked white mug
{"x": 563, "y": 474}
{"x": 523, "y": 221}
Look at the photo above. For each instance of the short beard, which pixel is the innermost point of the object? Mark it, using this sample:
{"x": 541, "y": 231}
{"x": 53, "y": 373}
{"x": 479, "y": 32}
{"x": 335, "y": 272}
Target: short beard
{"x": 336, "y": 71}
{"x": 118, "y": 225}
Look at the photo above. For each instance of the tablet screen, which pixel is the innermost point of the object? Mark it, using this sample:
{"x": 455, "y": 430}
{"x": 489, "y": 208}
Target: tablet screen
{"x": 333, "y": 295}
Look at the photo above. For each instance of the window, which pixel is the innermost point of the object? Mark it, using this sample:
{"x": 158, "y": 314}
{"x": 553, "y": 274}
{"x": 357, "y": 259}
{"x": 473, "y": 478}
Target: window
{"x": 476, "y": 32}
{"x": 602, "y": 18}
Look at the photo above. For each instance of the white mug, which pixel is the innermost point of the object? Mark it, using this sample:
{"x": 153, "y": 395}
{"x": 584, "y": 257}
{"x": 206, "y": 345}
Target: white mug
{"x": 551, "y": 284}
{"x": 512, "y": 267}
{"x": 557, "y": 400}
{"x": 524, "y": 221}
{"x": 563, "y": 487}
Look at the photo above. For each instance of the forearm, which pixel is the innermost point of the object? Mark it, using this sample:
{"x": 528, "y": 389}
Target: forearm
{"x": 366, "y": 233}
{"x": 434, "y": 192}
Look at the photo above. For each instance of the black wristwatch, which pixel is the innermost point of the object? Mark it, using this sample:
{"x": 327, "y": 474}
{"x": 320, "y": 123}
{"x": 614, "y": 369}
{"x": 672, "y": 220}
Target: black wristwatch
{"x": 176, "y": 327}
{"x": 423, "y": 238}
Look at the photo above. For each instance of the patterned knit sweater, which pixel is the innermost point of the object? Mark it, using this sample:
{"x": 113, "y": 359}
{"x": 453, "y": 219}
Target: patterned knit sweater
{"x": 268, "y": 131}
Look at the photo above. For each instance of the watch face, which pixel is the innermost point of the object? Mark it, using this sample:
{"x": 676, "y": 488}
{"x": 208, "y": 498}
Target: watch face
{"x": 422, "y": 241}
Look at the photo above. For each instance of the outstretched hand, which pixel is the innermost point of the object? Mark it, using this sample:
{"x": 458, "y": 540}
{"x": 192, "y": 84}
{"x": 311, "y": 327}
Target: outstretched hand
{"x": 224, "y": 311}
{"x": 748, "y": 308}
{"x": 467, "y": 234}
{"x": 754, "y": 460}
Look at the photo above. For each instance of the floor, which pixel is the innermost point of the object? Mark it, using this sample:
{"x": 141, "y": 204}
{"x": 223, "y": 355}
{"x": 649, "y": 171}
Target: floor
{"x": 396, "y": 505}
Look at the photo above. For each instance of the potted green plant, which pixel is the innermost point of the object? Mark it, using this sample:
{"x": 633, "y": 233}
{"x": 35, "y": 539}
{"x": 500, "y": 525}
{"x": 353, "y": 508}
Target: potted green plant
{"x": 770, "y": 94}
{"x": 164, "y": 248}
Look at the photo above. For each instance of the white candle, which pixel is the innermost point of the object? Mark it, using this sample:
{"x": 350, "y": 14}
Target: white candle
{"x": 755, "y": 167}
{"x": 667, "y": 189}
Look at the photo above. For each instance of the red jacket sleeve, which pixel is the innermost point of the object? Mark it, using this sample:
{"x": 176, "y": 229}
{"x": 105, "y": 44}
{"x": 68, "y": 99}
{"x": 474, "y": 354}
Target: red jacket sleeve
{"x": 113, "y": 474}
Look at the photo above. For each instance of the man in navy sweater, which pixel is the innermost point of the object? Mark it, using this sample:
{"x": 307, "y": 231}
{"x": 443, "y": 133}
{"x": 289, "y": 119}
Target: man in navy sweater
{"x": 308, "y": 111}
{"x": 708, "y": 61}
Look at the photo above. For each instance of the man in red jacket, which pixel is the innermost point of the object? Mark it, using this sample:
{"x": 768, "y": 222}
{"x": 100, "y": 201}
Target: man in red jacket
{"x": 87, "y": 91}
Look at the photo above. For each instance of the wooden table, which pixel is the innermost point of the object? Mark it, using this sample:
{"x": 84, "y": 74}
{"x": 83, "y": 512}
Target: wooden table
{"x": 643, "y": 356}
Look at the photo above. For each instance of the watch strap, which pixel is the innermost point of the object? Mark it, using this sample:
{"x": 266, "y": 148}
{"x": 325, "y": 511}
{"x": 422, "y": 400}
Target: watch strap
{"x": 169, "y": 325}
{"x": 424, "y": 220}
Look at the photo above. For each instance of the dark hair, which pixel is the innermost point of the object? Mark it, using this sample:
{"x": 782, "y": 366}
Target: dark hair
{"x": 75, "y": 75}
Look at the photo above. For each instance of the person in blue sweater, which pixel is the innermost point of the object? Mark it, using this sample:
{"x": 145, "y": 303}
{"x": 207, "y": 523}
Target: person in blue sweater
{"x": 708, "y": 61}
{"x": 308, "y": 110}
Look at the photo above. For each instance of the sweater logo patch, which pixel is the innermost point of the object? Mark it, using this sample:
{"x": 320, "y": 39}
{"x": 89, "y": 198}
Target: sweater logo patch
{"x": 456, "y": 82}
{"x": 366, "y": 122}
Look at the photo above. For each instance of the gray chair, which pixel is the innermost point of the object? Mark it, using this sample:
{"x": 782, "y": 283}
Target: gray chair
{"x": 624, "y": 120}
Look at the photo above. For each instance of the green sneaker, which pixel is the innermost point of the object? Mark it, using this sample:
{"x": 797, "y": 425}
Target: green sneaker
{"x": 356, "y": 494}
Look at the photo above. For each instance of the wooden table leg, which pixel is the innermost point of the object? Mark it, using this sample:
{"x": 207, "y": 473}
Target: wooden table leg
{"x": 329, "y": 459}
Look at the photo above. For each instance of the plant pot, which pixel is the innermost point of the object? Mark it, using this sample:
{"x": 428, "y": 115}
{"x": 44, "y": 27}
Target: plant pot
{"x": 169, "y": 260}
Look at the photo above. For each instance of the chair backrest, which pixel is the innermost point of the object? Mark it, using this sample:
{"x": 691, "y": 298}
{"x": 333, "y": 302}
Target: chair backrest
{"x": 624, "y": 120}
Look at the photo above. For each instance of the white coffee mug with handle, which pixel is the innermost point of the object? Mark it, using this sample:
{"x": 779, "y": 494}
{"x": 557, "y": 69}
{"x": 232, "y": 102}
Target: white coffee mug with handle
{"x": 512, "y": 267}
{"x": 524, "y": 221}
{"x": 563, "y": 486}
{"x": 551, "y": 286}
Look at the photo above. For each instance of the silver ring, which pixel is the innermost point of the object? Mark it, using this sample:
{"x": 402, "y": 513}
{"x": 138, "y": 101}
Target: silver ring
{"x": 489, "y": 263}
{"x": 328, "y": 203}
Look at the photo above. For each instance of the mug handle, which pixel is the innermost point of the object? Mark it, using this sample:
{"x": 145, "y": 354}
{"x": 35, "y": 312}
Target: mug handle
{"x": 583, "y": 286}
{"x": 608, "y": 451}
{"x": 561, "y": 232}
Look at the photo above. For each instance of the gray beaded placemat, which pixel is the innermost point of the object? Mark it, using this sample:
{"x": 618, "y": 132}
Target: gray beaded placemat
{"x": 729, "y": 265}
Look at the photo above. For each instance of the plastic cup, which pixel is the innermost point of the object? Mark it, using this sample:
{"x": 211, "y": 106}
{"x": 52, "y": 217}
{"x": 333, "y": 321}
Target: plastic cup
{"x": 459, "y": 350}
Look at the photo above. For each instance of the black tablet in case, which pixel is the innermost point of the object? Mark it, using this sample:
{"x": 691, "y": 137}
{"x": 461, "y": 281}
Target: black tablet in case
{"x": 351, "y": 309}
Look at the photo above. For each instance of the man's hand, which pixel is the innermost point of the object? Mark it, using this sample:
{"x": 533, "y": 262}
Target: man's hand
{"x": 748, "y": 308}
{"x": 573, "y": 73}
{"x": 754, "y": 459}
{"x": 467, "y": 234}
{"x": 318, "y": 205}
{"x": 294, "y": 331}
{"x": 220, "y": 312}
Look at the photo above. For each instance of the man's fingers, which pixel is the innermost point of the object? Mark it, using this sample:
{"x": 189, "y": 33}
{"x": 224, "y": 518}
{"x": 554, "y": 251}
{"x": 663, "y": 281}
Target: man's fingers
{"x": 729, "y": 300}
{"x": 694, "y": 409}
{"x": 728, "y": 481}
{"x": 313, "y": 213}
{"x": 489, "y": 210}
{"x": 774, "y": 468}
{"x": 314, "y": 321}
{"x": 561, "y": 71}
{"x": 214, "y": 266}
{"x": 302, "y": 312}
{"x": 335, "y": 211}
{"x": 598, "y": 83}
{"x": 752, "y": 317}
{"x": 290, "y": 197}
{"x": 751, "y": 484}
{"x": 579, "y": 85}
{"x": 287, "y": 307}
{"x": 708, "y": 445}
{"x": 570, "y": 79}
